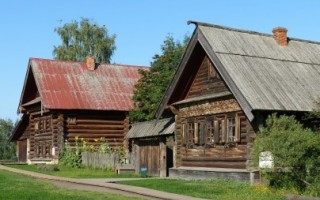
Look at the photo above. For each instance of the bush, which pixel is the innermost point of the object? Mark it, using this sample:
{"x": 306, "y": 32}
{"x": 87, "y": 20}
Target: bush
{"x": 70, "y": 157}
{"x": 295, "y": 150}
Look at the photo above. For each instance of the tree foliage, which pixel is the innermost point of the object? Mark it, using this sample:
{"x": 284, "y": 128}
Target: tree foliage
{"x": 295, "y": 150}
{"x": 7, "y": 148}
{"x": 153, "y": 83}
{"x": 79, "y": 39}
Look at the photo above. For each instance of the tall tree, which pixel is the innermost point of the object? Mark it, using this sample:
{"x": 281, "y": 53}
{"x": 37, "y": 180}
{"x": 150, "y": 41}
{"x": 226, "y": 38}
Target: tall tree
{"x": 79, "y": 39}
{"x": 153, "y": 83}
{"x": 7, "y": 148}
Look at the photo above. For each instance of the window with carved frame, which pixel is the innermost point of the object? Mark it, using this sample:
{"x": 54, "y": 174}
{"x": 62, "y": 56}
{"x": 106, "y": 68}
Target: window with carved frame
{"x": 209, "y": 131}
{"x": 43, "y": 124}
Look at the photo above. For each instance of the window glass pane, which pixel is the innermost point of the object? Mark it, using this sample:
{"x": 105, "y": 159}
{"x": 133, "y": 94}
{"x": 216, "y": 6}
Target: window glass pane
{"x": 231, "y": 130}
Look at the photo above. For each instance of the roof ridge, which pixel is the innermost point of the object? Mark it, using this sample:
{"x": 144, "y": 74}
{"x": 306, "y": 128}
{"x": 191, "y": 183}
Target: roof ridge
{"x": 153, "y": 121}
{"x": 247, "y": 31}
{"x": 227, "y": 28}
{"x": 70, "y": 61}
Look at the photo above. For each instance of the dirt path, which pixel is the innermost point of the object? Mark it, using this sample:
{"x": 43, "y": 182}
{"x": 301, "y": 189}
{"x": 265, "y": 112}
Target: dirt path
{"x": 76, "y": 186}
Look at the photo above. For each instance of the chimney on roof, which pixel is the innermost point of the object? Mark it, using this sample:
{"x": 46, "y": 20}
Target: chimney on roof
{"x": 280, "y": 35}
{"x": 91, "y": 65}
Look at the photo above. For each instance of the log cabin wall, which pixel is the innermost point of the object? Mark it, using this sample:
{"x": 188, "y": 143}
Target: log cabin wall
{"x": 49, "y": 130}
{"x": 113, "y": 126}
{"x": 212, "y": 132}
{"x": 215, "y": 134}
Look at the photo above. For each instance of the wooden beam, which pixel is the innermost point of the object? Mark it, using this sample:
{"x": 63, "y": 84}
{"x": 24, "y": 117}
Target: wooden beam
{"x": 173, "y": 109}
{"x": 163, "y": 158}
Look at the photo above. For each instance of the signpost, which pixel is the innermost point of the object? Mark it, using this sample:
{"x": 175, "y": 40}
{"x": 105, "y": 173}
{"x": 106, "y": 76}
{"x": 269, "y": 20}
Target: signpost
{"x": 266, "y": 160}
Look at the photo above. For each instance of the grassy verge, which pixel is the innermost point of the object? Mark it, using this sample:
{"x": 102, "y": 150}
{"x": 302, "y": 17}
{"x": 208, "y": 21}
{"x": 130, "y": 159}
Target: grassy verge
{"x": 211, "y": 189}
{"x": 16, "y": 186}
{"x": 76, "y": 173}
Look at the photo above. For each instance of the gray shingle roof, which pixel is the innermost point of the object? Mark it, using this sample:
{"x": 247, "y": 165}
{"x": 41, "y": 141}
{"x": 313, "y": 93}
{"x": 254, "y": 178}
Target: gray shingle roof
{"x": 152, "y": 128}
{"x": 269, "y": 76}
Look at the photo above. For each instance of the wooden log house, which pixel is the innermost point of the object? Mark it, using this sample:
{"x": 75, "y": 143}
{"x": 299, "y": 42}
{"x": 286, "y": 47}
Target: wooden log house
{"x": 61, "y": 100}
{"x": 227, "y": 83}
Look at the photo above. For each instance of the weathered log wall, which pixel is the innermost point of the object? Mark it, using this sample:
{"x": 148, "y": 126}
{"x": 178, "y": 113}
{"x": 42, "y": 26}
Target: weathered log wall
{"x": 89, "y": 126}
{"x": 219, "y": 154}
{"x": 49, "y": 131}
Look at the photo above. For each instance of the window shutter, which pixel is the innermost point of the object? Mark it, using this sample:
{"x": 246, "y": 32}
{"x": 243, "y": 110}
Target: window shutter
{"x": 216, "y": 131}
{"x": 223, "y": 131}
{"x": 237, "y": 128}
{"x": 190, "y": 133}
{"x": 202, "y": 133}
{"x": 184, "y": 138}
{"x": 196, "y": 134}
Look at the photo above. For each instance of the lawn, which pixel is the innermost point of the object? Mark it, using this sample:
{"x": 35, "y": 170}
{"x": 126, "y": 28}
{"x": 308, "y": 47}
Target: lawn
{"x": 211, "y": 189}
{"x": 16, "y": 186}
{"x": 208, "y": 189}
{"x": 76, "y": 173}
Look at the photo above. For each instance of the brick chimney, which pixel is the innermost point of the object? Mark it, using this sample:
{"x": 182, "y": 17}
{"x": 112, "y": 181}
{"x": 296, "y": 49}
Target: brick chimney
{"x": 280, "y": 35}
{"x": 91, "y": 65}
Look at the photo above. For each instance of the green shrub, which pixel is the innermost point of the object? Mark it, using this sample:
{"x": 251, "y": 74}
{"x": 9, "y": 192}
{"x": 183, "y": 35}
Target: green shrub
{"x": 70, "y": 157}
{"x": 295, "y": 150}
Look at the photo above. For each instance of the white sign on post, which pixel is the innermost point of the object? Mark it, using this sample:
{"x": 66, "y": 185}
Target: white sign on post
{"x": 266, "y": 160}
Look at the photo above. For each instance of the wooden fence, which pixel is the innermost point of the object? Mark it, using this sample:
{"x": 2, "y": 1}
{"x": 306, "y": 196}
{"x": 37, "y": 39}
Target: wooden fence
{"x": 105, "y": 161}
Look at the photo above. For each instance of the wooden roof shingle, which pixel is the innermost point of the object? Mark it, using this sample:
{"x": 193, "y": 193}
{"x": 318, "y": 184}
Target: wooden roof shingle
{"x": 152, "y": 128}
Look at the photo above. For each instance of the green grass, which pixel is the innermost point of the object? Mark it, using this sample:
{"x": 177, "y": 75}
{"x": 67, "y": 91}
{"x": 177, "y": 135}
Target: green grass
{"x": 76, "y": 173}
{"x": 16, "y": 186}
{"x": 211, "y": 189}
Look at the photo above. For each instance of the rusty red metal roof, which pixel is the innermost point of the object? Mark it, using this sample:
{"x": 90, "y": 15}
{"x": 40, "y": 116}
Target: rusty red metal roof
{"x": 70, "y": 85}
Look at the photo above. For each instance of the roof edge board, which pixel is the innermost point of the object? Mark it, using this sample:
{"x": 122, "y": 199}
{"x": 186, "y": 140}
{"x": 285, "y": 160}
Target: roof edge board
{"x": 180, "y": 69}
{"x": 24, "y": 86}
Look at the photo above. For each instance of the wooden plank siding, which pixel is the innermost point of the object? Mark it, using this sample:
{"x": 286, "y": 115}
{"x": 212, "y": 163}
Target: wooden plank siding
{"x": 207, "y": 80}
{"x": 22, "y": 153}
{"x": 149, "y": 154}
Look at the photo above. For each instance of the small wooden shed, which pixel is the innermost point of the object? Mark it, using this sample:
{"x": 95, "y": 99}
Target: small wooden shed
{"x": 152, "y": 144}
{"x": 62, "y": 99}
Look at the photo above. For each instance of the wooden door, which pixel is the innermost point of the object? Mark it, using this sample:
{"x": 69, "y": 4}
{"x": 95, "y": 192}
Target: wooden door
{"x": 150, "y": 157}
{"x": 23, "y": 150}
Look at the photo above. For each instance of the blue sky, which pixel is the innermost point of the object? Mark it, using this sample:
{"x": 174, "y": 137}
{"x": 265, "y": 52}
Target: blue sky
{"x": 27, "y": 28}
